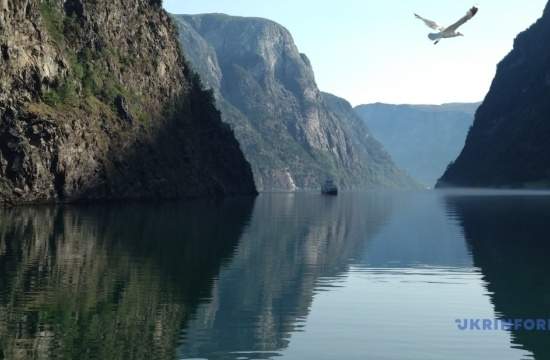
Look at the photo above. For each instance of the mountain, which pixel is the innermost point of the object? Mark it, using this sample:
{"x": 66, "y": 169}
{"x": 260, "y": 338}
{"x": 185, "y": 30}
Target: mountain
{"x": 97, "y": 102}
{"x": 422, "y": 139}
{"x": 293, "y": 135}
{"x": 508, "y": 143}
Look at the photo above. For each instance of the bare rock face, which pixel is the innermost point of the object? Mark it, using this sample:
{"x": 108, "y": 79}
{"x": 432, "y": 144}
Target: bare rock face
{"x": 97, "y": 102}
{"x": 508, "y": 144}
{"x": 266, "y": 90}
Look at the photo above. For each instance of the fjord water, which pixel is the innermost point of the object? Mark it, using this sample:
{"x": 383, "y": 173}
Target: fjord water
{"x": 292, "y": 276}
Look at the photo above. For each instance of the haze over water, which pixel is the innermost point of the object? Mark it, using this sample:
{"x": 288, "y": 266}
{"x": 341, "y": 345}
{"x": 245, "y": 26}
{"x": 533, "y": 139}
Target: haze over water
{"x": 291, "y": 276}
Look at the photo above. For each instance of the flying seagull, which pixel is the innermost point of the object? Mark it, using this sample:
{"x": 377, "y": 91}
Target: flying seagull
{"x": 450, "y": 31}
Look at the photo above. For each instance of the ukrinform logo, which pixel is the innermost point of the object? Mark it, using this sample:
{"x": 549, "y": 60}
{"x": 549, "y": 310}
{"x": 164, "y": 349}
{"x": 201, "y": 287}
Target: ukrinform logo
{"x": 503, "y": 325}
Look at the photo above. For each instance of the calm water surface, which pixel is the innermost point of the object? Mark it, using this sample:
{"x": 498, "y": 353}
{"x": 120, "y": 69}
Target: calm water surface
{"x": 359, "y": 276}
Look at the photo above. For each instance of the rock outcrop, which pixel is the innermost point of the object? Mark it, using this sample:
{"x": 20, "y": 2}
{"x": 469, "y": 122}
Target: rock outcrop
{"x": 508, "y": 145}
{"x": 97, "y": 102}
{"x": 266, "y": 91}
{"x": 422, "y": 139}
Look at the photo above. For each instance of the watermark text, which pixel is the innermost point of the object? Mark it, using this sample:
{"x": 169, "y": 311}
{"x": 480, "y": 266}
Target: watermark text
{"x": 503, "y": 324}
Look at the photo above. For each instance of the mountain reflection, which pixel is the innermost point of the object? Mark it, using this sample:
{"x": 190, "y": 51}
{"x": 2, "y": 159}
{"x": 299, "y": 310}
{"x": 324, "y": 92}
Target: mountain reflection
{"x": 418, "y": 235}
{"x": 292, "y": 243}
{"x": 109, "y": 282}
{"x": 238, "y": 279}
{"x": 508, "y": 237}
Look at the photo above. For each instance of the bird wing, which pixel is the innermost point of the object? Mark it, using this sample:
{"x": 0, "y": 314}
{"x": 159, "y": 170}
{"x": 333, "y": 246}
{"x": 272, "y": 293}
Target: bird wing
{"x": 430, "y": 23}
{"x": 470, "y": 14}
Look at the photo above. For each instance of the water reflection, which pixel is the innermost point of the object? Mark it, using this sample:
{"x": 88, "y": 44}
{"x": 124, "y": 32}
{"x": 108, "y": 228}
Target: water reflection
{"x": 295, "y": 246}
{"x": 298, "y": 276}
{"x": 508, "y": 237}
{"x": 108, "y": 282}
{"x": 419, "y": 235}
{"x": 402, "y": 293}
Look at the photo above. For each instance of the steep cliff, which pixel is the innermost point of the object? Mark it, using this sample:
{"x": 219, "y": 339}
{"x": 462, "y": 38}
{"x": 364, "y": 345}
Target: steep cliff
{"x": 422, "y": 139}
{"x": 508, "y": 145}
{"x": 97, "y": 102}
{"x": 266, "y": 90}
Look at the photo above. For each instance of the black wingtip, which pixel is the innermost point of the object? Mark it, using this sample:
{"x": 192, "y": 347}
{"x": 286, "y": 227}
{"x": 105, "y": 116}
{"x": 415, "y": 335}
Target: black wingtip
{"x": 474, "y": 10}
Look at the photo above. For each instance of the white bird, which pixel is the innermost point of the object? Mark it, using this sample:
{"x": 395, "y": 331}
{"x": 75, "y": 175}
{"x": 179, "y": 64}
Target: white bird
{"x": 450, "y": 31}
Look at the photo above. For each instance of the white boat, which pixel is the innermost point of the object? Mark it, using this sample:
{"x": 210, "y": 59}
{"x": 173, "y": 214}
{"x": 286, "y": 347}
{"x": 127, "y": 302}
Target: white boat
{"x": 329, "y": 188}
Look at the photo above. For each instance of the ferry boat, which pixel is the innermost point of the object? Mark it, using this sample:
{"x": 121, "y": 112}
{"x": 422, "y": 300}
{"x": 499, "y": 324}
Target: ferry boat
{"x": 329, "y": 188}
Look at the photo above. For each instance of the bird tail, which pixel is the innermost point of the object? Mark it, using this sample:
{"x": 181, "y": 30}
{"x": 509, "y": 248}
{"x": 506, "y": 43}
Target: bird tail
{"x": 434, "y": 36}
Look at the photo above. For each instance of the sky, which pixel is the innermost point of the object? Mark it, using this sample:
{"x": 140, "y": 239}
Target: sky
{"x": 376, "y": 51}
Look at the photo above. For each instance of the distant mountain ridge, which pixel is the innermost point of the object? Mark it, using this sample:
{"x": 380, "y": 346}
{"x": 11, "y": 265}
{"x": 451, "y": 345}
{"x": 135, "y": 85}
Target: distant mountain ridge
{"x": 290, "y": 132}
{"x": 508, "y": 145}
{"x": 422, "y": 139}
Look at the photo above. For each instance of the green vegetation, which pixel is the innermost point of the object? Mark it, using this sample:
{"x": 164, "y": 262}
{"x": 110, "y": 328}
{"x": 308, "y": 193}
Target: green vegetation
{"x": 4, "y": 188}
{"x": 53, "y": 19}
{"x": 64, "y": 94}
{"x": 87, "y": 77}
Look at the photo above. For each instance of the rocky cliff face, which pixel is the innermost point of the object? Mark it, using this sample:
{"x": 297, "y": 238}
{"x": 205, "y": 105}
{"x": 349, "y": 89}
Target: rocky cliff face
{"x": 266, "y": 90}
{"x": 422, "y": 139}
{"x": 97, "y": 102}
{"x": 508, "y": 144}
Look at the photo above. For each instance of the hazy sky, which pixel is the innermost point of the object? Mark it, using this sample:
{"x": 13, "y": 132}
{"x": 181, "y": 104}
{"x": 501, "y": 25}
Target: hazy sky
{"x": 374, "y": 50}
